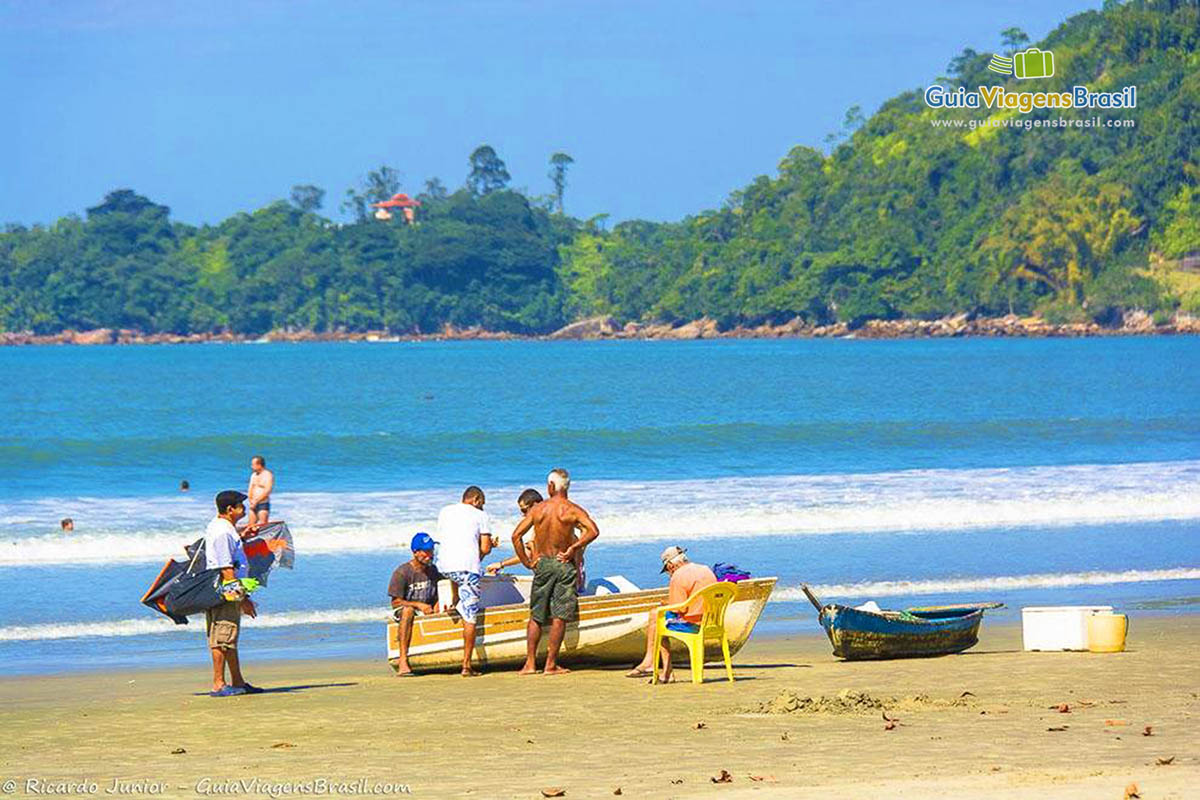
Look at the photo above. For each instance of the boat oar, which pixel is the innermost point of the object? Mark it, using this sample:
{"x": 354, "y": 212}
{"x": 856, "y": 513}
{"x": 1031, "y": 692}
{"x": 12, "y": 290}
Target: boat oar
{"x": 812, "y": 598}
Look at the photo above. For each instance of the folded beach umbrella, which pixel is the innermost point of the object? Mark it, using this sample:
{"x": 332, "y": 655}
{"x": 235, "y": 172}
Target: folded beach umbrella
{"x": 271, "y": 547}
{"x": 181, "y": 588}
{"x": 156, "y": 596}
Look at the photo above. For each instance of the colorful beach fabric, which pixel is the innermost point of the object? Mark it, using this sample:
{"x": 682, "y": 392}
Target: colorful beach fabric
{"x": 271, "y": 547}
{"x": 555, "y": 591}
{"x": 191, "y": 587}
{"x": 468, "y": 594}
{"x": 730, "y": 572}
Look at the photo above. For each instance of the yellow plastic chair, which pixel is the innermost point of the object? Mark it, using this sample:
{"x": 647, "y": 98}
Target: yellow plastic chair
{"x": 716, "y": 598}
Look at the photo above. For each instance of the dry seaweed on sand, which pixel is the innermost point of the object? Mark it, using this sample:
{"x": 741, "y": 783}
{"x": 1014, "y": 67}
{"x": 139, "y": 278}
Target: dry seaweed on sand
{"x": 849, "y": 701}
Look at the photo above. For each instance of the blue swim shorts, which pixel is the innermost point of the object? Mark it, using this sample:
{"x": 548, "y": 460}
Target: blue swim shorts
{"x": 468, "y": 594}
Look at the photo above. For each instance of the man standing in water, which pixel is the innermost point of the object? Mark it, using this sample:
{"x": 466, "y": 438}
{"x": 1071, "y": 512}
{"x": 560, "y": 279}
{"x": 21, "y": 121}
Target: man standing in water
{"x": 554, "y": 599}
{"x": 262, "y": 481}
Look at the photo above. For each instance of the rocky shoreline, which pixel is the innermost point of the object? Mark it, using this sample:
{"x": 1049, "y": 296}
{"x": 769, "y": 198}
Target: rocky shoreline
{"x": 1134, "y": 323}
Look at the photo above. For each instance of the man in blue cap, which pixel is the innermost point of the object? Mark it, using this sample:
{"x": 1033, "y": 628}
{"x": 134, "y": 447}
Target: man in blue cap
{"x": 413, "y": 590}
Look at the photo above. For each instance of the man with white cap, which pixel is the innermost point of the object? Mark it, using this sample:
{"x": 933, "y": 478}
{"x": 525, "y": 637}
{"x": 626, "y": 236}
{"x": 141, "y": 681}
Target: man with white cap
{"x": 687, "y": 578}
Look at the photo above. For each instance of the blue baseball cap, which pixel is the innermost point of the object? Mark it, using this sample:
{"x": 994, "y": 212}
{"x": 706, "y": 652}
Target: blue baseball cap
{"x": 423, "y": 541}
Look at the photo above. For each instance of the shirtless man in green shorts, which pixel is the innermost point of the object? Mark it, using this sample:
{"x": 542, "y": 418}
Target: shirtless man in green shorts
{"x": 554, "y": 598}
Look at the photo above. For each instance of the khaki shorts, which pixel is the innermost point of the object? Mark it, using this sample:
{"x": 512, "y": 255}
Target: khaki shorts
{"x": 222, "y": 624}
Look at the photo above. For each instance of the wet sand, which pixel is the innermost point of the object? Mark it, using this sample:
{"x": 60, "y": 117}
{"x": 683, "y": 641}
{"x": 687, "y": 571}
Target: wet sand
{"x": 594, "y": 731}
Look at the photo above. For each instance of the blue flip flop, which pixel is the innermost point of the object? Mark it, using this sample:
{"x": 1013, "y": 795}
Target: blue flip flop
{"x": 248, "y": 689}
{"x": 228, "y": 691}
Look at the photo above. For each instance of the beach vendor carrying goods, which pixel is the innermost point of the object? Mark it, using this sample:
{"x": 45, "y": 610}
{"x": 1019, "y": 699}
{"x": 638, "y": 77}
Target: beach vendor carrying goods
{"x": 183, "y": 588}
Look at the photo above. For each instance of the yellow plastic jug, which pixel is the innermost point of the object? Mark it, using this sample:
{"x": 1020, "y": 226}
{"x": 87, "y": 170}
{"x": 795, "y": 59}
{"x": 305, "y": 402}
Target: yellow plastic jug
{"x": 1106, "y": 632}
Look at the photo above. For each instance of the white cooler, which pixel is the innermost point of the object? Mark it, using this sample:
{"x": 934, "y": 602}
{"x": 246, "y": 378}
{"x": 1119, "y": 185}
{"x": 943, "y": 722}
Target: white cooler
{"x": 1057, "y": 627}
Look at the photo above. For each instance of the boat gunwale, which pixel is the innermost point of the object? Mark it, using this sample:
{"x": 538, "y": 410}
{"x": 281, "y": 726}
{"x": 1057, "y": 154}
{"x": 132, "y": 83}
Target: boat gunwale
{"x": 596, "y": 611}
{"x": 618, "y": 599}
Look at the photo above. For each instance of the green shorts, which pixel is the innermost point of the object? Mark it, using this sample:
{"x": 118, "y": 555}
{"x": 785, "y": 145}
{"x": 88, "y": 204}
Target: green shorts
{"x": 554, "y": 594}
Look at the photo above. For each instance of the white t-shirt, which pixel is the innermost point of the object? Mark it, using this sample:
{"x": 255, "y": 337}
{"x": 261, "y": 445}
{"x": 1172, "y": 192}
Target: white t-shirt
{"x": 223, "y": 547}
{"x": 459, "y": 527}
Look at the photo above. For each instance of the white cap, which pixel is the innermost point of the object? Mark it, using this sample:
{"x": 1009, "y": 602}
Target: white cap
{"x": 671, "y": 554}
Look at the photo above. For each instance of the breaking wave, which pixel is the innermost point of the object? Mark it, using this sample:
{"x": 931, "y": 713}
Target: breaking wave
{"x": 150, "y": 529}
{"x": 157, "y": 624}
{"x": 998, "y": 583}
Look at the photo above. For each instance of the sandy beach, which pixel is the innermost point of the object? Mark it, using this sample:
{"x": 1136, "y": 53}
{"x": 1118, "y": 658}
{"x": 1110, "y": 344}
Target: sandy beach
{"x": 981, "y": 724}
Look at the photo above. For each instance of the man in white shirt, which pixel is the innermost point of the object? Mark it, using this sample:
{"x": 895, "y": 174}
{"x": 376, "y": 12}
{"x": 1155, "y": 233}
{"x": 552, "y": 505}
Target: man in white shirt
{"x": 222, "y": 623}
{"x": 464, "y": 537}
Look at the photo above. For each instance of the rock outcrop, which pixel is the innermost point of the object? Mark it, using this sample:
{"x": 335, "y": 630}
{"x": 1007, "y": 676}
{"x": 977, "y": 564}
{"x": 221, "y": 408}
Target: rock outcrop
{"x": 591, "y": 328}
{"x": 1132, "y": 323}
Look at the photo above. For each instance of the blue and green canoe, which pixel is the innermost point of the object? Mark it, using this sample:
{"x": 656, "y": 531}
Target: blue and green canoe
{"x": 858, "y": 634}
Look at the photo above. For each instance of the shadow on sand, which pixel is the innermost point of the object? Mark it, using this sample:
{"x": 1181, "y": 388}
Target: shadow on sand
{"x": 287, "y": 689}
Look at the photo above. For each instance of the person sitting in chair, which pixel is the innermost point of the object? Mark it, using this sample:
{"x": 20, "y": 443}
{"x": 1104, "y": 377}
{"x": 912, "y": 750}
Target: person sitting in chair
{"x": 686, "y": 579}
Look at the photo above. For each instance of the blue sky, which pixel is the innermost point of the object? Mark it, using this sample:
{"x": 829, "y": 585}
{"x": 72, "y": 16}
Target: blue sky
{"x": 219, "y": 107}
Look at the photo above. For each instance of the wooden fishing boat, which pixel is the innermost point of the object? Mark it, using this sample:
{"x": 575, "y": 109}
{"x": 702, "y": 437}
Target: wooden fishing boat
{"x": 611, "y": 628}
{"x": 859, "y": 634}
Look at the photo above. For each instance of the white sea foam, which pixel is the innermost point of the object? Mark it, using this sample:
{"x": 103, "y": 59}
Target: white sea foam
{"x": 998, "y": 583}
{"x": 160, "y": 625}
{"x": 150, "y": 529}
{"x": 344, "y": 616}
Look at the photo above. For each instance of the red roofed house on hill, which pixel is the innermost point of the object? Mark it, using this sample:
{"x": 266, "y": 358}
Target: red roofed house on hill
{"x": 401, "y": 201}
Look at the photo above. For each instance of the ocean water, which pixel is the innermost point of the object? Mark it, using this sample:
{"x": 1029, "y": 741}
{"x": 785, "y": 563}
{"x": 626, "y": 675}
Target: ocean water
{"x": 912, "y": 472}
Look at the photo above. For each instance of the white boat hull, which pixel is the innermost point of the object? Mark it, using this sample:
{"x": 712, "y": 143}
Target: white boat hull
{"x": 611, "y": 630}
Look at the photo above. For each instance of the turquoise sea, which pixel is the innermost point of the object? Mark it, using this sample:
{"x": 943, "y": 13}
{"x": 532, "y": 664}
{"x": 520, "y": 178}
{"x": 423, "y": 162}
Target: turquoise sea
{"x": 1028, "y": 471}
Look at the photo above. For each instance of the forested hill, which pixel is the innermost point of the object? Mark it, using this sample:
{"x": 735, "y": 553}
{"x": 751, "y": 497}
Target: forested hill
{"x": 907, "y": 215}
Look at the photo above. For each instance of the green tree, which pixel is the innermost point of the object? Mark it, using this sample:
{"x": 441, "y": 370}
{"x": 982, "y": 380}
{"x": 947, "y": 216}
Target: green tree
{"x": 488, "y": 172}
{"x": 308, "y": 198}
{"x": 852, "y": 121}
{"x": 1060, "y": 233}
{"x": 558, "y": 175}
{"x": 376, "y": 186}
{"x": 435, "y": 191}
{"x": 1013, "y": 39}
{"x": 1180, "y": 234}
{"x": 960, "y": 63}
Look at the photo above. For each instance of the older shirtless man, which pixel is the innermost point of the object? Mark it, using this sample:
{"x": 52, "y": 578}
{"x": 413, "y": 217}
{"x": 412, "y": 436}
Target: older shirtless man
{"x": 554, "y": 599}
{"x": 262, "y": 482}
